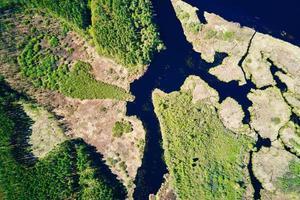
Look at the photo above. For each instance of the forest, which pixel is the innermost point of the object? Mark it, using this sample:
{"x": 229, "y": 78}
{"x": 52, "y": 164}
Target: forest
{"x": 68, "y": 171}
{"x": 38, "y": 38}
{"x": 124, "y": 30}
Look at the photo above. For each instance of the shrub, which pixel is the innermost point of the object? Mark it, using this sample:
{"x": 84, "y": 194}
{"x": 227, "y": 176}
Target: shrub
{"x": 121, "y": 127}
{"x": 228, "y": 35}
{"x": 53, "y": 41}
{"x": 210, "y": 34}
{"x": 74, "y": 12}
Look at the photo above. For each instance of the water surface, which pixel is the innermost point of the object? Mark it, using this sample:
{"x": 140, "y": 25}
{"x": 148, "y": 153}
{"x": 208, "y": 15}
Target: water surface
{"x": 171, "y": 67}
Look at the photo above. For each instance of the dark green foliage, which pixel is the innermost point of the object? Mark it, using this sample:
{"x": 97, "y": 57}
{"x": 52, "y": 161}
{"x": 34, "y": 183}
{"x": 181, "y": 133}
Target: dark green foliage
{"x": 204, "y": 159}
{"x": 7, "y": 3}
{"x": 91, "y": 186}
{"x": 124, "y": 30}
{"x": 75, "y": 12}
{"x": 53, "y": 42}
{"x": 67, "y": 172}
{"x": 41, "y": 67}
{"x": 121, "y": 127}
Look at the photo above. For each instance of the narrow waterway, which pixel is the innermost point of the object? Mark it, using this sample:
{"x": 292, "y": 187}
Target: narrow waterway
{"x": 167, "y": 72}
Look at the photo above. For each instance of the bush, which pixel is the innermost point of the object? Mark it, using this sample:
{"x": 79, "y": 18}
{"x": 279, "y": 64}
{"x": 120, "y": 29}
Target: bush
{"x": 53, "y": 41}
{"x": 124, "y": 30}
{"x": 121, "y": 127}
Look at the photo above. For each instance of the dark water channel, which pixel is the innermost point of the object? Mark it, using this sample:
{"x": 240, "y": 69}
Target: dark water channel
{"x": 168, "y": 71}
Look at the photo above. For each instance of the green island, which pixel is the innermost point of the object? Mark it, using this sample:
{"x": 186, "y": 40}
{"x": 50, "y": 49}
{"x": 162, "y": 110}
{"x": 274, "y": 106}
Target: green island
{"x": 204, "y": 159}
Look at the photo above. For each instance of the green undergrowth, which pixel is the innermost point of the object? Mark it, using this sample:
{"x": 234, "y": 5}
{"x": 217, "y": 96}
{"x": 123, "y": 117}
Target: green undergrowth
{"x": 124, "y": 30}
{"x": 205, "y": 160}
{"x": 42, "y": 67}
{"x": 75, "y": 12}
{"x": 120, "y": 29}
{"x": 121, "y": 127}
{"x": 8, "y": 3}
{"x": 290, "y": 182}
{"x": 67, "y": 172}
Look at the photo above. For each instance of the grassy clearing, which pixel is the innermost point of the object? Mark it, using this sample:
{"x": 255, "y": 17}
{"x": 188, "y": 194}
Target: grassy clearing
{"x": 41, "y": 66}
{"x": 45, "y": 131}
{"x": 204, "y": 159}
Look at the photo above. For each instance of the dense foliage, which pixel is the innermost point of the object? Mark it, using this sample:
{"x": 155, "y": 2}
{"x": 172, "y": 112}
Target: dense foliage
{"x": 121, "y": 29}
{"x": 124, "y": 30}
{"x": 41, "y": 67}
{"x": 204, "y": 159}
{"x": 76, "y": 12}
{"x": 52, "y": 177}
{"x": 7, "y": 3}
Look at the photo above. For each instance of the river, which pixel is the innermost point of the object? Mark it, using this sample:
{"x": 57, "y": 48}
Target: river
{"x": 172, "y": 66}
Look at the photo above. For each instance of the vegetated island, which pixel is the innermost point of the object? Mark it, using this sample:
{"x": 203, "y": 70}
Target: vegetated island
{"x": 208, "y": 147}
{"x": 74, "y": 62}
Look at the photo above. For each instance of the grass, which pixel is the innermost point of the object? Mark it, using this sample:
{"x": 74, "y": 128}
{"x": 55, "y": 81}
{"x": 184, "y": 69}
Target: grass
{"x": 204, "y": 159}
{"x": 81, "y": 84}
{"x": 41, "y": 66}
{"x": 228, "y": 35}
{"x": 53, "y": 41}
